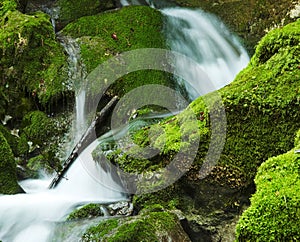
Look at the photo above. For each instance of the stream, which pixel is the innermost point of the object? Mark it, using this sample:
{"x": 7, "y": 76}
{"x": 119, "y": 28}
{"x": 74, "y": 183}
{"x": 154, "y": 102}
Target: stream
{"x": 31, "y": 217}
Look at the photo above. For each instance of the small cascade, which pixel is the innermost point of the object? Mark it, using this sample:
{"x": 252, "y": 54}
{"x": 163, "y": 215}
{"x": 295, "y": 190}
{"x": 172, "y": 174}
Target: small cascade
{"x": 203, "y": 38}
{"x": 77, "y": 75}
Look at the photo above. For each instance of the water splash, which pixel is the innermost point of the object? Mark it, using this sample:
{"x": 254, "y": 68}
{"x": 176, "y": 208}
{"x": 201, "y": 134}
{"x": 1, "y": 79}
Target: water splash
{"x": 31, "y": 217}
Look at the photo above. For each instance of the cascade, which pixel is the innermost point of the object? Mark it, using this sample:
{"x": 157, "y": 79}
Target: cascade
{"x": 32, "y": 216}
{"x": 203, "y": 38}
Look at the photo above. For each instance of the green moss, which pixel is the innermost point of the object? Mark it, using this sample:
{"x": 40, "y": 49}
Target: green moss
{"x": 38, "y": 127}
{"x": 32, "y": 62}
{"x": 261, "y": 102}
{"x": 274, "y": 214}
{"x": 135, "y": 27}
{"x": 151, "y": 226}
{"x": 6, "y": 6}
{"x": 8, "y": 177}
{"x": 261, "y": 107}
{"x": 11, "y": 139}
{"x": 86, "y": 212}
{"x": 70, "y": 10}
{"x": 97, "y": 232}
{"x": 44, "y": 133}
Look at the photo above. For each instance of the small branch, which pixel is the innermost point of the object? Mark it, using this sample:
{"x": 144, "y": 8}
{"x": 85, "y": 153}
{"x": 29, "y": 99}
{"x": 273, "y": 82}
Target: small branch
{"x": 87, "y": 138}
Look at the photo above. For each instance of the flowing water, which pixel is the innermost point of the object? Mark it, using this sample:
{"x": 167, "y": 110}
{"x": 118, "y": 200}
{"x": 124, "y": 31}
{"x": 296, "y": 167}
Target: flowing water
{"x": 206, "y": 40}
{"x": 32, "y": 216}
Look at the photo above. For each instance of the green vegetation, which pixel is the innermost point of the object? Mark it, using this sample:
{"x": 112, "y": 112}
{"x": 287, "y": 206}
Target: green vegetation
{"x": 262, "y": 118}
{"x": 261, "y": 103}
{"x": 37, "y": 127}
{"x": 274, "y": 214}
{"x": 108, "y": 34}
{"x": 70, "y": 10}
{"x": 103, "y": 228}
{"x": 8, "y": 177}
{"x": 32, "y": 63}
{"x": 86, "y": 212}
{"x": 151, "y": 226}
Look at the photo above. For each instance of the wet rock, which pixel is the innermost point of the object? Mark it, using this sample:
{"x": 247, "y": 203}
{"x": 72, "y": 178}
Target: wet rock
{"x": 123, "y": 208}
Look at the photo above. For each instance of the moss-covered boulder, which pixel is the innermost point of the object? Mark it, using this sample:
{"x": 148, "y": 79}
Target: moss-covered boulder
{"x": 250, "y": 19}
{"x": 264, "y": 94}
{"x": 8, "y": 176}
{"x": 33, "y": 64}
{"x": 261, "y": 107}
{"x": 149, "y": 226}
{"x": 70, "y": 10}
{"x": 274, "y": 214}
{"x": 109, "y": 34}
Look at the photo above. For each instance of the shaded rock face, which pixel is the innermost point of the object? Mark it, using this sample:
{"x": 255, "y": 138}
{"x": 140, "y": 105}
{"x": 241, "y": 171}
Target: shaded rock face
{"x": 22, "y": 5}
{"x": 211, "y": 211}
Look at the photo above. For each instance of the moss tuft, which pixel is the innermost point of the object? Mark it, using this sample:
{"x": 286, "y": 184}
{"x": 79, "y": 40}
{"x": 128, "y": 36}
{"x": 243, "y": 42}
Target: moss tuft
{"x": 274, "y": 214}
{"x": 70, "y": 10}
{"x": 86, "y": 212}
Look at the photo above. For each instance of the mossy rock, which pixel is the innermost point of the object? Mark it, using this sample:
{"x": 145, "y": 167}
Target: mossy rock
{"x": 11, "y": 139}
{"x": 8, "y": 176}
{"x": 38, "y": 128}
{"x": 38, "y": 144}
{"x": 70, "y": 10}
{"x": 86, "y": 212}
{"x": 33, "y": 64}
{"x": 108, "y": 34}
{"x": 150, "y": 226}
{"x": 261, "y": 107}
{"x": 274, "y": 214}
{"x": 262, "y": 95}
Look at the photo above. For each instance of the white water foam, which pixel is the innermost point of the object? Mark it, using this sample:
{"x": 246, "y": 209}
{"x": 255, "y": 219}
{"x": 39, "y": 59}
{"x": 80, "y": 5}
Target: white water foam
{"x": 31, "y": 217}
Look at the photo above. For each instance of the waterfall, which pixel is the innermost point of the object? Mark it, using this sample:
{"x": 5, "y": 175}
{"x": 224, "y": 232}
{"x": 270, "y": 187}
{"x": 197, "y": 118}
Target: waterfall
{"x": 76, "y": 75}
{"x": 32, "y": 217}
{"x": 207, "y": 41}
